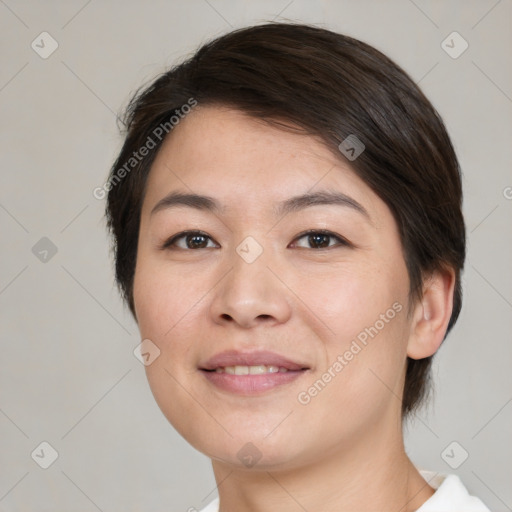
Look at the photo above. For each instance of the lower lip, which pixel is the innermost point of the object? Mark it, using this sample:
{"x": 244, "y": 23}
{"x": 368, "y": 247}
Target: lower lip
{"x": 251, "y": 384}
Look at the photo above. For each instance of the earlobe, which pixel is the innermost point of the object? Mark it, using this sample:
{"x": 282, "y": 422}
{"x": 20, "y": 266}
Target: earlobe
{"x": 432, "y": 314}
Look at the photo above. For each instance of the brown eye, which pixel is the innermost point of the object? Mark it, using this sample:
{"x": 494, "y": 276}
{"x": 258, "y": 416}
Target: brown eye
{"x": 321, "y": 239}
{"x": 196, "y": 241}
{"x": 188, "y": 240}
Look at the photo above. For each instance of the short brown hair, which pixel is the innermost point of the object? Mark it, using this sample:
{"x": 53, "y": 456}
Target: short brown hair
{"x": 331, "y": 86}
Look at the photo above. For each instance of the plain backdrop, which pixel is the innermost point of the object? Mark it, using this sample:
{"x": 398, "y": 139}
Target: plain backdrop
{"x": 68, "y": 374}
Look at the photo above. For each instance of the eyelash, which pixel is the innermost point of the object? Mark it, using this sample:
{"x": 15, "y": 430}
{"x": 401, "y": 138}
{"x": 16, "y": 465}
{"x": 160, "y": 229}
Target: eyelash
{"x": 342, "y": 241}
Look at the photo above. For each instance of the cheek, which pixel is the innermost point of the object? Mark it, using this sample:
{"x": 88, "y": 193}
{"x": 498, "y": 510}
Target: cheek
{"x": 169, "y": 303}
{"x": 162, "y": 300}
{"x": 350, "y": 297}
{"x": 363, "y": 310}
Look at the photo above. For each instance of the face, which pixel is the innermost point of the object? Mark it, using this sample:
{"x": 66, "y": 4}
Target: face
{"x": 281, "y": 323}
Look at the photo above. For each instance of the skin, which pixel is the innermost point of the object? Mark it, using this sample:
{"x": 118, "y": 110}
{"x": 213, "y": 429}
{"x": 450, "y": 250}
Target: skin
{"x": 344, "y": 449}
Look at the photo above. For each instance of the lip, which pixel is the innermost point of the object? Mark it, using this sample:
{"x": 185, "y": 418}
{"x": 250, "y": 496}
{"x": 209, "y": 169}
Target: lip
{"x": 251, "y": 384}
{"x": 262, "y": 357}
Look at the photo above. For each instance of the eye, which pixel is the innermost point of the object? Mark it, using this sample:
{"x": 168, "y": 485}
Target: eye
{"x": 191, "y": 240}
{"x": 320, "y": 239}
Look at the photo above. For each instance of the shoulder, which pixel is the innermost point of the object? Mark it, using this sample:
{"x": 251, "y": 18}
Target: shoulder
{"x": 450, "y": 495}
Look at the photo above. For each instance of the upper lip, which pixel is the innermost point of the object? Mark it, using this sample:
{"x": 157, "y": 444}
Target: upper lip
{"x": 262, "y": 357}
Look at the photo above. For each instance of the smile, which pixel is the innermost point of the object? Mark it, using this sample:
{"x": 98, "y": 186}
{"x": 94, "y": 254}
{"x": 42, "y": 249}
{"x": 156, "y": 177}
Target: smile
{"x": 251, "y": 373}
{"x": 250, "y": 370}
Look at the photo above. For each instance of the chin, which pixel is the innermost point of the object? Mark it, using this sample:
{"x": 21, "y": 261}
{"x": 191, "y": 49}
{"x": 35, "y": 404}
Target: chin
{"x": 255, "y": 457}
{"x": 253, "y": 449}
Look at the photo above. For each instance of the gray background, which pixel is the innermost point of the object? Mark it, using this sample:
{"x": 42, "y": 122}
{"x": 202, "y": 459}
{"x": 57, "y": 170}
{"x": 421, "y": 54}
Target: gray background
{"x": 69, "y": 376}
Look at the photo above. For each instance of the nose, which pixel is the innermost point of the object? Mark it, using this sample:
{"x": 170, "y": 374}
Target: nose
{"x": 250, "y": 294}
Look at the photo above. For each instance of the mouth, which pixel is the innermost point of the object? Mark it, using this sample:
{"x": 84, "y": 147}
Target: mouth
{"x": 251, "y": 373}
{"x": 260, "y": 369}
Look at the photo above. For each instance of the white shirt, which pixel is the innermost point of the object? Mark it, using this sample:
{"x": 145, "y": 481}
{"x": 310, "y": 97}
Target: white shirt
{"x": 450, "y": 496}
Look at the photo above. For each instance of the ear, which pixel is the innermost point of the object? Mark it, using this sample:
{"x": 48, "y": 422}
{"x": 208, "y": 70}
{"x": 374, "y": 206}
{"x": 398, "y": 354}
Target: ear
{"x": 432, "y": 314}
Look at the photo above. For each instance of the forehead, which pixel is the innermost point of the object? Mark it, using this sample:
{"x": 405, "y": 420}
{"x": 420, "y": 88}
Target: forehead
{"x": 243, "y": 161}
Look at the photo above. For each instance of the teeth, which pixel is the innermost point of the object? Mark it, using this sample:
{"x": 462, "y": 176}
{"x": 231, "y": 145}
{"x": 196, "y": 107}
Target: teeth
{"x": 251, "y": 370}
{"x": 241, "y": 370}
{"x": 257, "y": 370}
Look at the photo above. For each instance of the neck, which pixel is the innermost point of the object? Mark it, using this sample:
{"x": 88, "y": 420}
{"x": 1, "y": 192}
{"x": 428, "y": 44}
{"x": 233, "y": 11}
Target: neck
{"x": 373, "y": 473}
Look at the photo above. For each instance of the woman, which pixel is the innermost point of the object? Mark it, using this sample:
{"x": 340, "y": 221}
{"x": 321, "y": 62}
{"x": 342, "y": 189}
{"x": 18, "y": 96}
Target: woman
{"x": 287, "y": 226}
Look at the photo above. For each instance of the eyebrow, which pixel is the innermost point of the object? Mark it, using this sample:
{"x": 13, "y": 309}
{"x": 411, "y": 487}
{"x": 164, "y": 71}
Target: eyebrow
{"x": 293, "y": 204}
